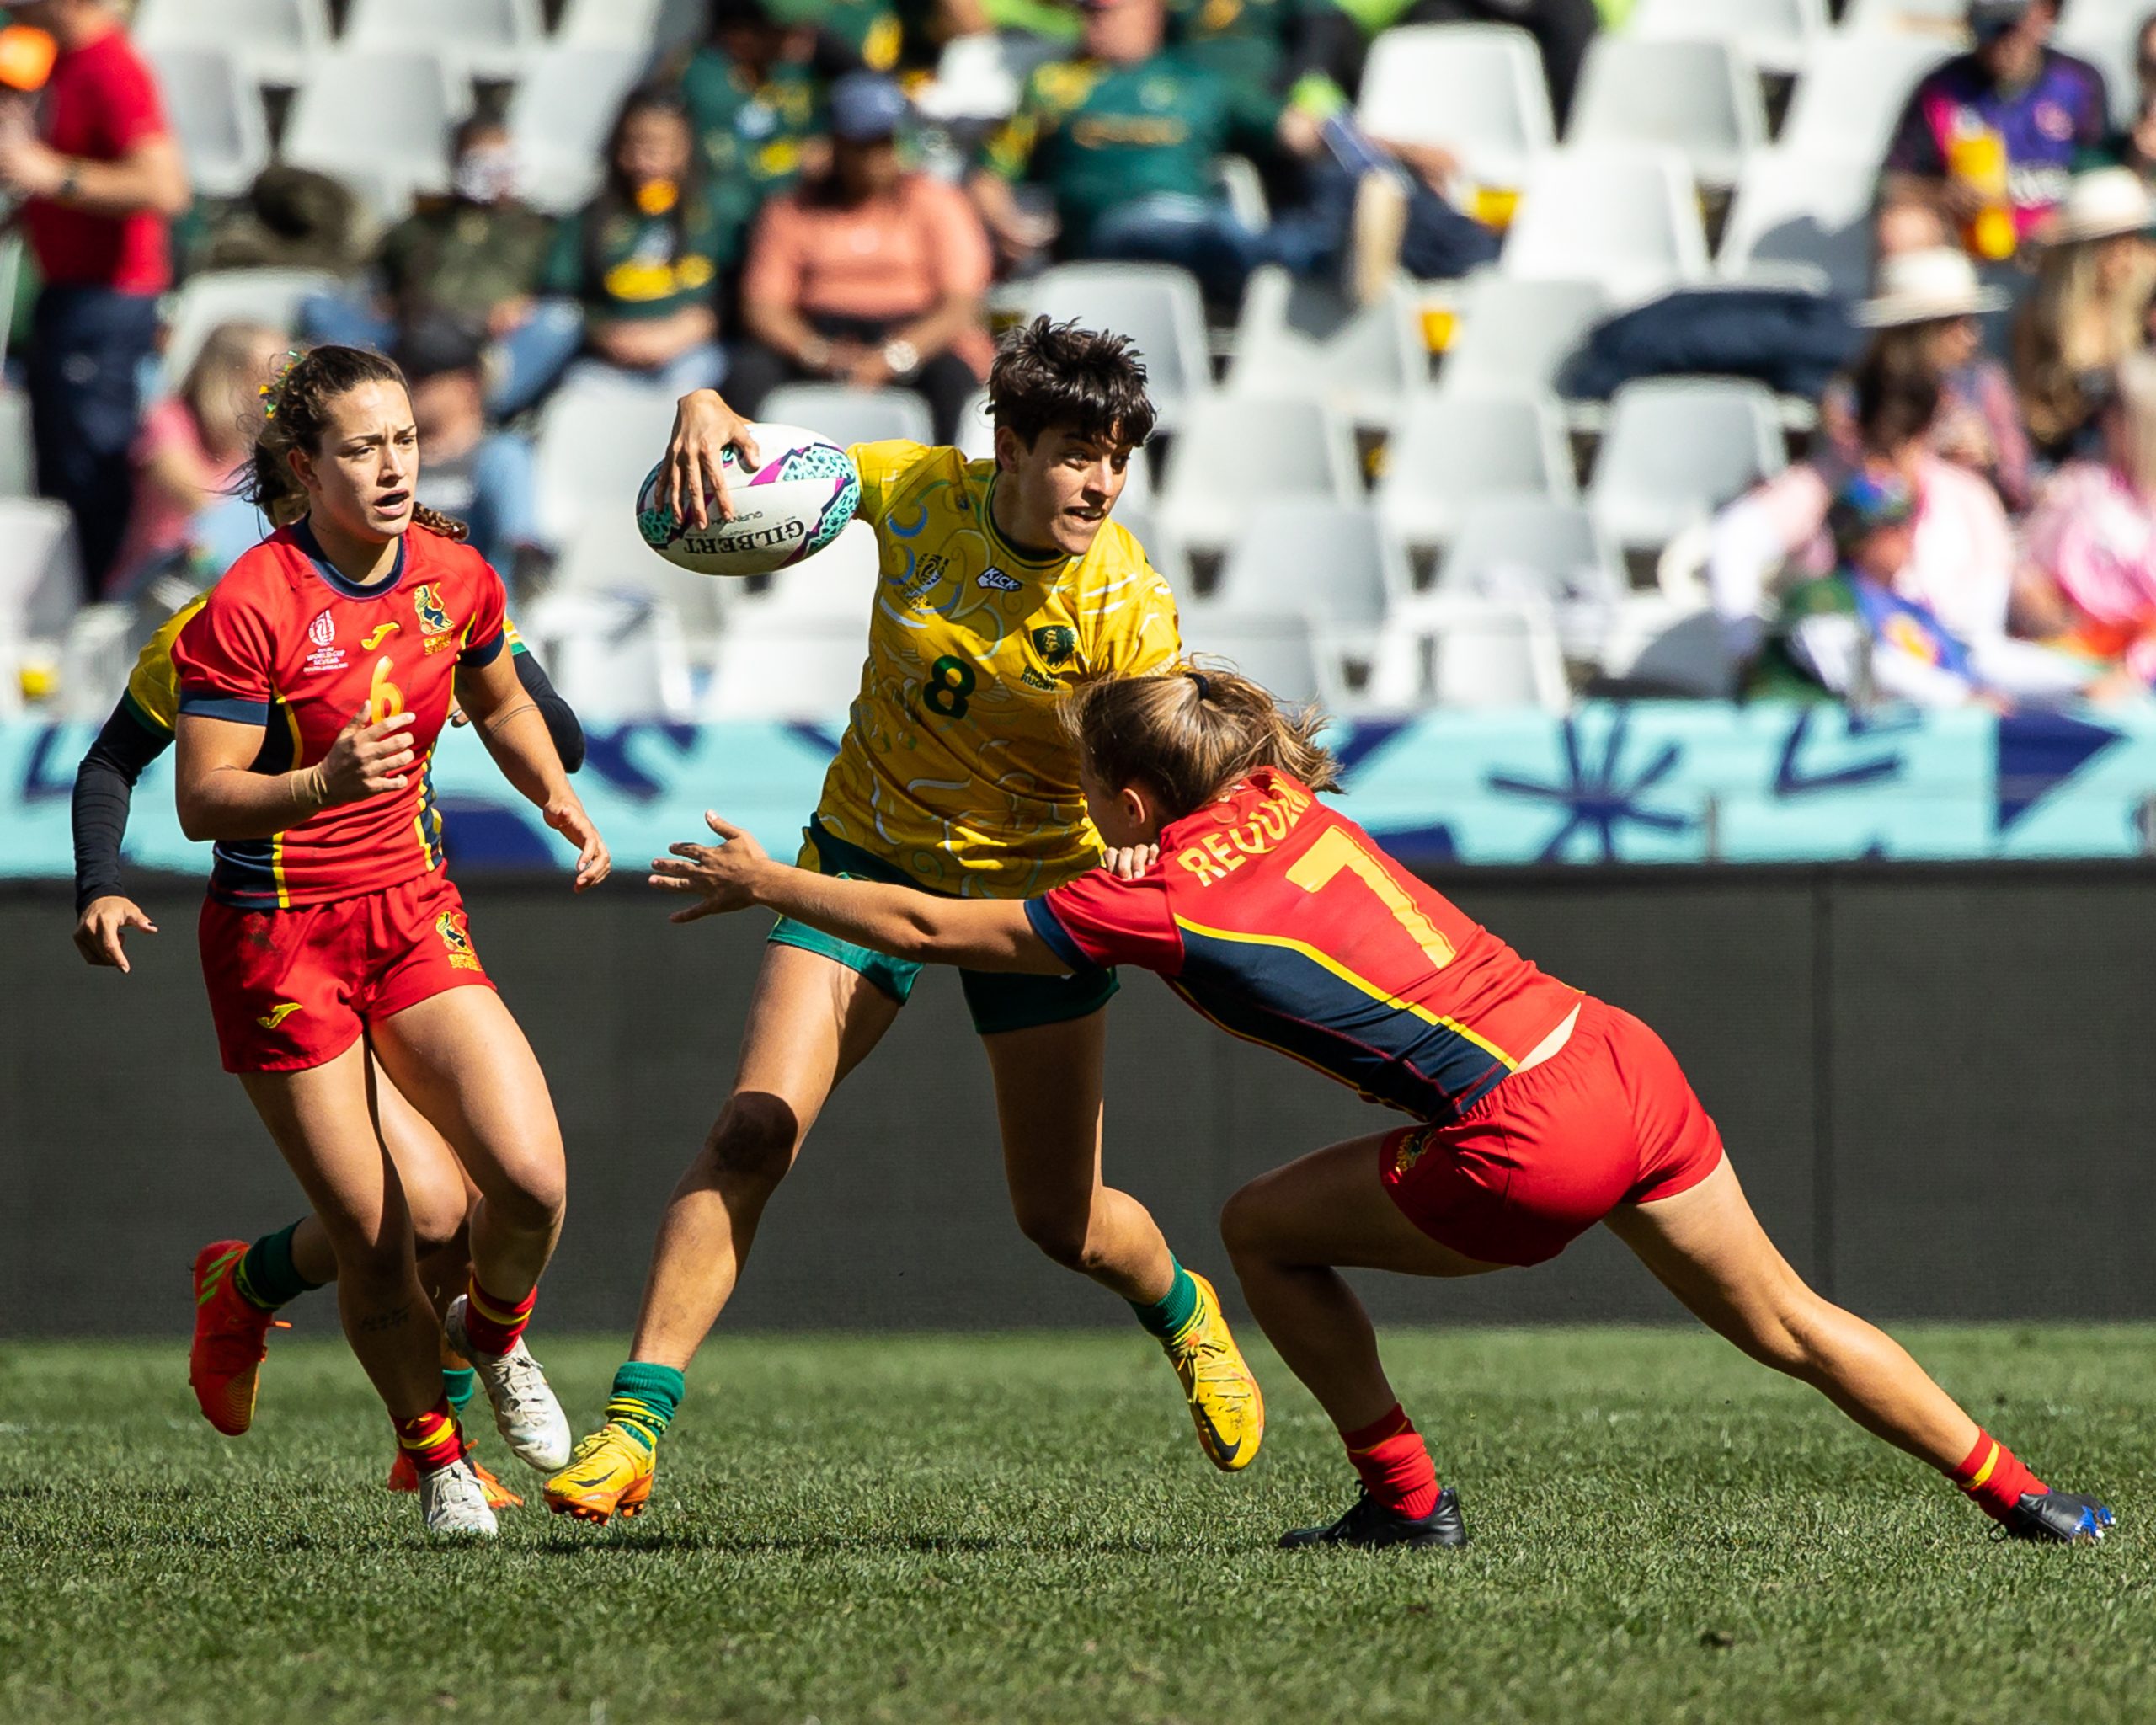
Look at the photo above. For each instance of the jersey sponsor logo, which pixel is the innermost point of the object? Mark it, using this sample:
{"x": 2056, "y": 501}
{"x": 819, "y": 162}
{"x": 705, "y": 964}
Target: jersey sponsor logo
{"x": 453, "y": 937}
{"x": 323, "y": 630}
{"x": 1055, "y": 643}
{"x": 994, "y": 576}
{"x": 1219, "y": 853}
{"x": 1033, "y": 679}
{"x": 379, "y": 633}
{"x": 434, "y": 620}
{"x": 277, "y": 1014}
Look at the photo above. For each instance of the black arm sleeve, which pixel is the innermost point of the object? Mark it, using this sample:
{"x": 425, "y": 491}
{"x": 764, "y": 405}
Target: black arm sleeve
{"x": 561, "y": 719}
{"x": 104, "y": 789}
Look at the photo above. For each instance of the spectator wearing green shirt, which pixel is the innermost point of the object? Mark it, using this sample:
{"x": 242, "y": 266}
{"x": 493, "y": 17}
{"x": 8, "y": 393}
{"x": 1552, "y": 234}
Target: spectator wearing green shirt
{"x": 643, "y": 257}
{"x": 473, "y": 258}
{"x": 1248, "y": 42}
{"x": 755, "y": 99}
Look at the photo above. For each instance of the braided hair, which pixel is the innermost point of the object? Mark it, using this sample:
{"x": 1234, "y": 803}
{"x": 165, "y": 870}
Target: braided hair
{"x": 295, "y": 408}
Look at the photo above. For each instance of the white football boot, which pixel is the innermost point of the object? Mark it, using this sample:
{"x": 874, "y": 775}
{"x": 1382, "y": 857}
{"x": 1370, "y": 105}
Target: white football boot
{"x": 455, "y": 1503}
{"x": 530, "y": 1420}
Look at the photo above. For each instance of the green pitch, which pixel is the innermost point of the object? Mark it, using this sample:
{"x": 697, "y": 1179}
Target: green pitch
{"x": 1020, "y": 1528}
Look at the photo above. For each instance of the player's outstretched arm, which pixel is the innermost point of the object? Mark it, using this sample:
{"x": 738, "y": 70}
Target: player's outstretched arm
{"x": 979, "y": 934}
{"x": 516, "y": 735}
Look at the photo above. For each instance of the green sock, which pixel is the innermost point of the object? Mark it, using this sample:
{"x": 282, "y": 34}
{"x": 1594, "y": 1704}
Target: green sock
{"x": 266, "y": 1276}
{"x": 645, "y": 1399}
{"x": 1170, "y": 1315}
{"x": 461, "y": 1383}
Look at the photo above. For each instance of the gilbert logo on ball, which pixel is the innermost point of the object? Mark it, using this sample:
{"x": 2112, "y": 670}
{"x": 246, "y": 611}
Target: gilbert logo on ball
{"x": 788, "y": 509}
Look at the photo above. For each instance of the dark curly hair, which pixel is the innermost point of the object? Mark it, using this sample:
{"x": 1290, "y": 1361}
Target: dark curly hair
{"x": 1089, "y": 381}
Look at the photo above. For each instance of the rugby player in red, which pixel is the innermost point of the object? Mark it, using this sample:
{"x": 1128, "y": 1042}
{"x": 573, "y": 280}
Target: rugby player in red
{"x": 313, "y": 685}
{"x": 1541, "y": 1111}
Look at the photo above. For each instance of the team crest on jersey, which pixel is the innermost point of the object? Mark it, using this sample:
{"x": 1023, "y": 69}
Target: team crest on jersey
{"x": 1411, "y": 1150}
{"x": 323, "y": 630}
{"x": 433, "y": 619}
{"x": 460, "y": 955}
{"x": 994, "y": 576}
{"x": 1055, "y": 643}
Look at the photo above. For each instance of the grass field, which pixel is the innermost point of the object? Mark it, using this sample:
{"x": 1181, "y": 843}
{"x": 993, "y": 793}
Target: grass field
{"x": 1020, "y": 1528}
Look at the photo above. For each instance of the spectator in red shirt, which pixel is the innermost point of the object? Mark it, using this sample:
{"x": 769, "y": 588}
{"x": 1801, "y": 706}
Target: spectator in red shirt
{"x": 101, "y": 179}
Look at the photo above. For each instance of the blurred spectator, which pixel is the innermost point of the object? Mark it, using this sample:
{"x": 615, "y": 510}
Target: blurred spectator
{"x": 868, "y": 32}
{"x": 1245, "y": 42}
{"x": 475, "y": 256}
{"x": 2090, "y": 306}
{"x": 101, "y": 179}
{"x": 1927, "y": 309}
{"x": 1960, "y": 563}
{"x": 1335, "y": 37}
{"x": 1991, "y": 136}
{"x": 753, "y": 96}
{"x": 486, "y": 479}
{"x": 293, "y": 218}
{"x": 2135, "y": 148}
{"x": 2087, "y": 582}
{"x": 869, "y": 273}
{"x": 644, "y": 256}
{"x": 191, "y": 448}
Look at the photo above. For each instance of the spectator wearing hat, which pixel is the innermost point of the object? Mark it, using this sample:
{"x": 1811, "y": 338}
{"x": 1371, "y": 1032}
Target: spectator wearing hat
{"x": 486, "y": 479}
{"x": 101, "y": 179}
{"x": 1928, "y": 308}
{"x": 2090, "y": 307}
{"x": 755, "y": 99}
{"x": 869, "y": 273}
{"x": 643, "y": 257}
{"x": 2135, "y": 145}
{"x": 2046, "y": 111}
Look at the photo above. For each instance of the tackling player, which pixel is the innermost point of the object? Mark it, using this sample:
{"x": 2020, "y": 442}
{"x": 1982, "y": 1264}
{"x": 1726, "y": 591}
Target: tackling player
{"x": 314, "y": 682}
{"x": 232, "y": 1326}
{"x": 1004, "y": 586}
{"x": 1540, "y": 1111}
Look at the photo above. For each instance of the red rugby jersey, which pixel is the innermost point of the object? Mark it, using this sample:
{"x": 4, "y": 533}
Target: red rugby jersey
{"x": 1284, "y": 924}
{"x": 286, "y": 643}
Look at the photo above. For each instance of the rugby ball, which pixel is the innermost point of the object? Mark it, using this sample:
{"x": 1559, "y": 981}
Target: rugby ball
{"x": 790, "y": 507}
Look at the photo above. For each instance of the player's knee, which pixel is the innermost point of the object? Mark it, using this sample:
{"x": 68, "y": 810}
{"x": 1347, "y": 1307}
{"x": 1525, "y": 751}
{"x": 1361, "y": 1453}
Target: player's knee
{"x": 753, "y": 1141}
{"x": 533, "y": 1203}
{"x": 437, "y": 1216}
{"x": 1246, "y": 1221}
{"x": 1065, "y": 1236}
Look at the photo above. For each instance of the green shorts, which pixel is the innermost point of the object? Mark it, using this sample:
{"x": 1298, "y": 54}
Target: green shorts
{"x": 999, "y": 1001}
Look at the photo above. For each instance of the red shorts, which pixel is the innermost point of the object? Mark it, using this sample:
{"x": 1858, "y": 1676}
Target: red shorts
{"x": 1527, "y": 1169}
{"x": 291, "y": 989}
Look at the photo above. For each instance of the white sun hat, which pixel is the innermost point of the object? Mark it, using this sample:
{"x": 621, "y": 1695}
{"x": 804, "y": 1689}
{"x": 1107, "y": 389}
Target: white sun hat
{"x": 2100, "y": 204}
{"x": 1917, "y": 288}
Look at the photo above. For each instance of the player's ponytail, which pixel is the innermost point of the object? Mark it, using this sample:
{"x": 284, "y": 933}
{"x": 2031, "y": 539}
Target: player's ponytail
{"x": 295, "y": 406}
{"x": 1192, "y": 733}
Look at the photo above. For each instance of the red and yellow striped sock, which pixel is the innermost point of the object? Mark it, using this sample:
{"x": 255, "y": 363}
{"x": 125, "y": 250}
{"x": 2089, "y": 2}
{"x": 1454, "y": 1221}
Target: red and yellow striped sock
{"x": 1394, "y": 1464}
{"x": 1992, "y": 1475}
{"x": 431, "y": 1439}
{"x": 491, "y": 1324}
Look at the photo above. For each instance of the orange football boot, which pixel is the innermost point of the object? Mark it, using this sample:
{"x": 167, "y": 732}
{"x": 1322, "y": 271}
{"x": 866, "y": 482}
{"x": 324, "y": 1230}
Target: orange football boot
{"x": 232, "y": 1337}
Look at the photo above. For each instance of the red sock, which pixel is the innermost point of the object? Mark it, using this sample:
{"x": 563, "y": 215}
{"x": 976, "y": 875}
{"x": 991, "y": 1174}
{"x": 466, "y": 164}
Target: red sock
{"x": 1993, "y": 1476}
{"x": 493, "y": 1323}
{"x": 431, "y": 1439}
{"x": 1395, "y": 1465}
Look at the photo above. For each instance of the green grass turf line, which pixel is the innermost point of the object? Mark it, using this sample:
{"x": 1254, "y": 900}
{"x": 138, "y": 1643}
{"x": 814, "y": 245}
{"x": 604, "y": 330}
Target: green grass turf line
{"x": 1020, "y": 1528}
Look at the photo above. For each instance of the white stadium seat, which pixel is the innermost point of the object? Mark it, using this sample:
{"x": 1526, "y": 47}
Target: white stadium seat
{"x": 1299, "y": 338}
{"x": 1458, "y": 650}
{"x": 1236, "y": 452}
{"x": 1626, "y": 217}
{"x": 1158, "y": 307}
{"x": 610, "y": 23}
{"x": 1853, "y": 88}
{"x": 1324, "y": 560}
{"x": 616, "y": 658}
{"x": 1772, "y": 33}
{"x": 1666, "y": 647}
{"x": 1676, "y": 449}
{"x": 1701, "y": 98}
{"x": 845, "y": 415}
{"x": 1274, "y": 648}
{"x": 18, "y": 454}
{"x": 2107, "y": 33}
{"x": 277, "y": 39}
{"x": 1454, "y": 448}
{"x": 1515, "y": 335}
{"x": 981, "y": 77}
{"x": 1532, "y": 549}
{"x": 96, "y": 656}
{"x": 597, "y": 440}
{"x": 1814, "y": 211}
{"x": 41, "y": 572}
{"x": 217, "y": 112}
{"x": 789, "y": 667}
{"x": 562, "y": 115}
{"x": 490, "y": 38}
{"x": 380, "y": 121}
{"x": 977, "y": 431}
{"x": 268, "y": 297}
{"x": 837, "y": 585}
{"x": 1476, "y": 89}
{"x": 607, "y": 555}
{"x": 1945, "y": 20}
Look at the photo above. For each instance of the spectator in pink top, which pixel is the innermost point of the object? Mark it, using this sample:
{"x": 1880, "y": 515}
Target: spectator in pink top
{"x": 871, "y": 274}
{"x": 191, "y": 447}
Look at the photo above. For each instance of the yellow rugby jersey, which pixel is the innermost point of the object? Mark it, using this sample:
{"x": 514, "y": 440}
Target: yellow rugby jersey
{"x": 955, "y": 766}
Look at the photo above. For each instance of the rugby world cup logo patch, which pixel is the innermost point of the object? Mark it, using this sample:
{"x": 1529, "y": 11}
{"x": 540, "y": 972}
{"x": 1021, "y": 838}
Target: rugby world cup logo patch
{"x": 323, "y": 630}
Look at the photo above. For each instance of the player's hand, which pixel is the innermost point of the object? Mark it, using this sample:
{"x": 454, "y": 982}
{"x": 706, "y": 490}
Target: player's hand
{"x": 722, "y": 874}
{"x": 366, "y": 760}
{"x": 568, "y": 818}
{"x": 102, "y": 926}
{"x": 1128, "y": 861}
{"x": 704, "y": 429}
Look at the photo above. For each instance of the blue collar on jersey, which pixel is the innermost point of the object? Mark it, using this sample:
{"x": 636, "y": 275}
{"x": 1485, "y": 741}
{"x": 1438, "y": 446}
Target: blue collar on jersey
{"x": 303, "y": 536}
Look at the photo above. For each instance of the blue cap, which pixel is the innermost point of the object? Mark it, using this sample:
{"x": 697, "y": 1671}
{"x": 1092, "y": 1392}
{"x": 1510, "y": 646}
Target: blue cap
{"x": 1990, "y": 19}
{"x": 1863, "y": 503}
{"x": 867, "y": 106}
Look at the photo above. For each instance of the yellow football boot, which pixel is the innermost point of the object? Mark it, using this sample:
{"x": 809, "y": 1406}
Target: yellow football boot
{"x": 608, "y": 1474}
{"x": 1225, "y": 1403}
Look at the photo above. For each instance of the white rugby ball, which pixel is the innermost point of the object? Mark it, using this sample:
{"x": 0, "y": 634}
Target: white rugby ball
{"x": 790, "y": 507}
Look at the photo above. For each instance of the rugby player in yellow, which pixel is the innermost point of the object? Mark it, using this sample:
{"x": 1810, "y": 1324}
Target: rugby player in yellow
{"x": 239, "y": 1288}
{"x": 1004, "y": 586}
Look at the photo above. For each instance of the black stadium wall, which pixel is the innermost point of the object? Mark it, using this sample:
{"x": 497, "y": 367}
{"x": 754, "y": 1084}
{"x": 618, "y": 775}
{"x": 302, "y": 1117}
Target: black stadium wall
{"x": 1938, "y": 1084}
